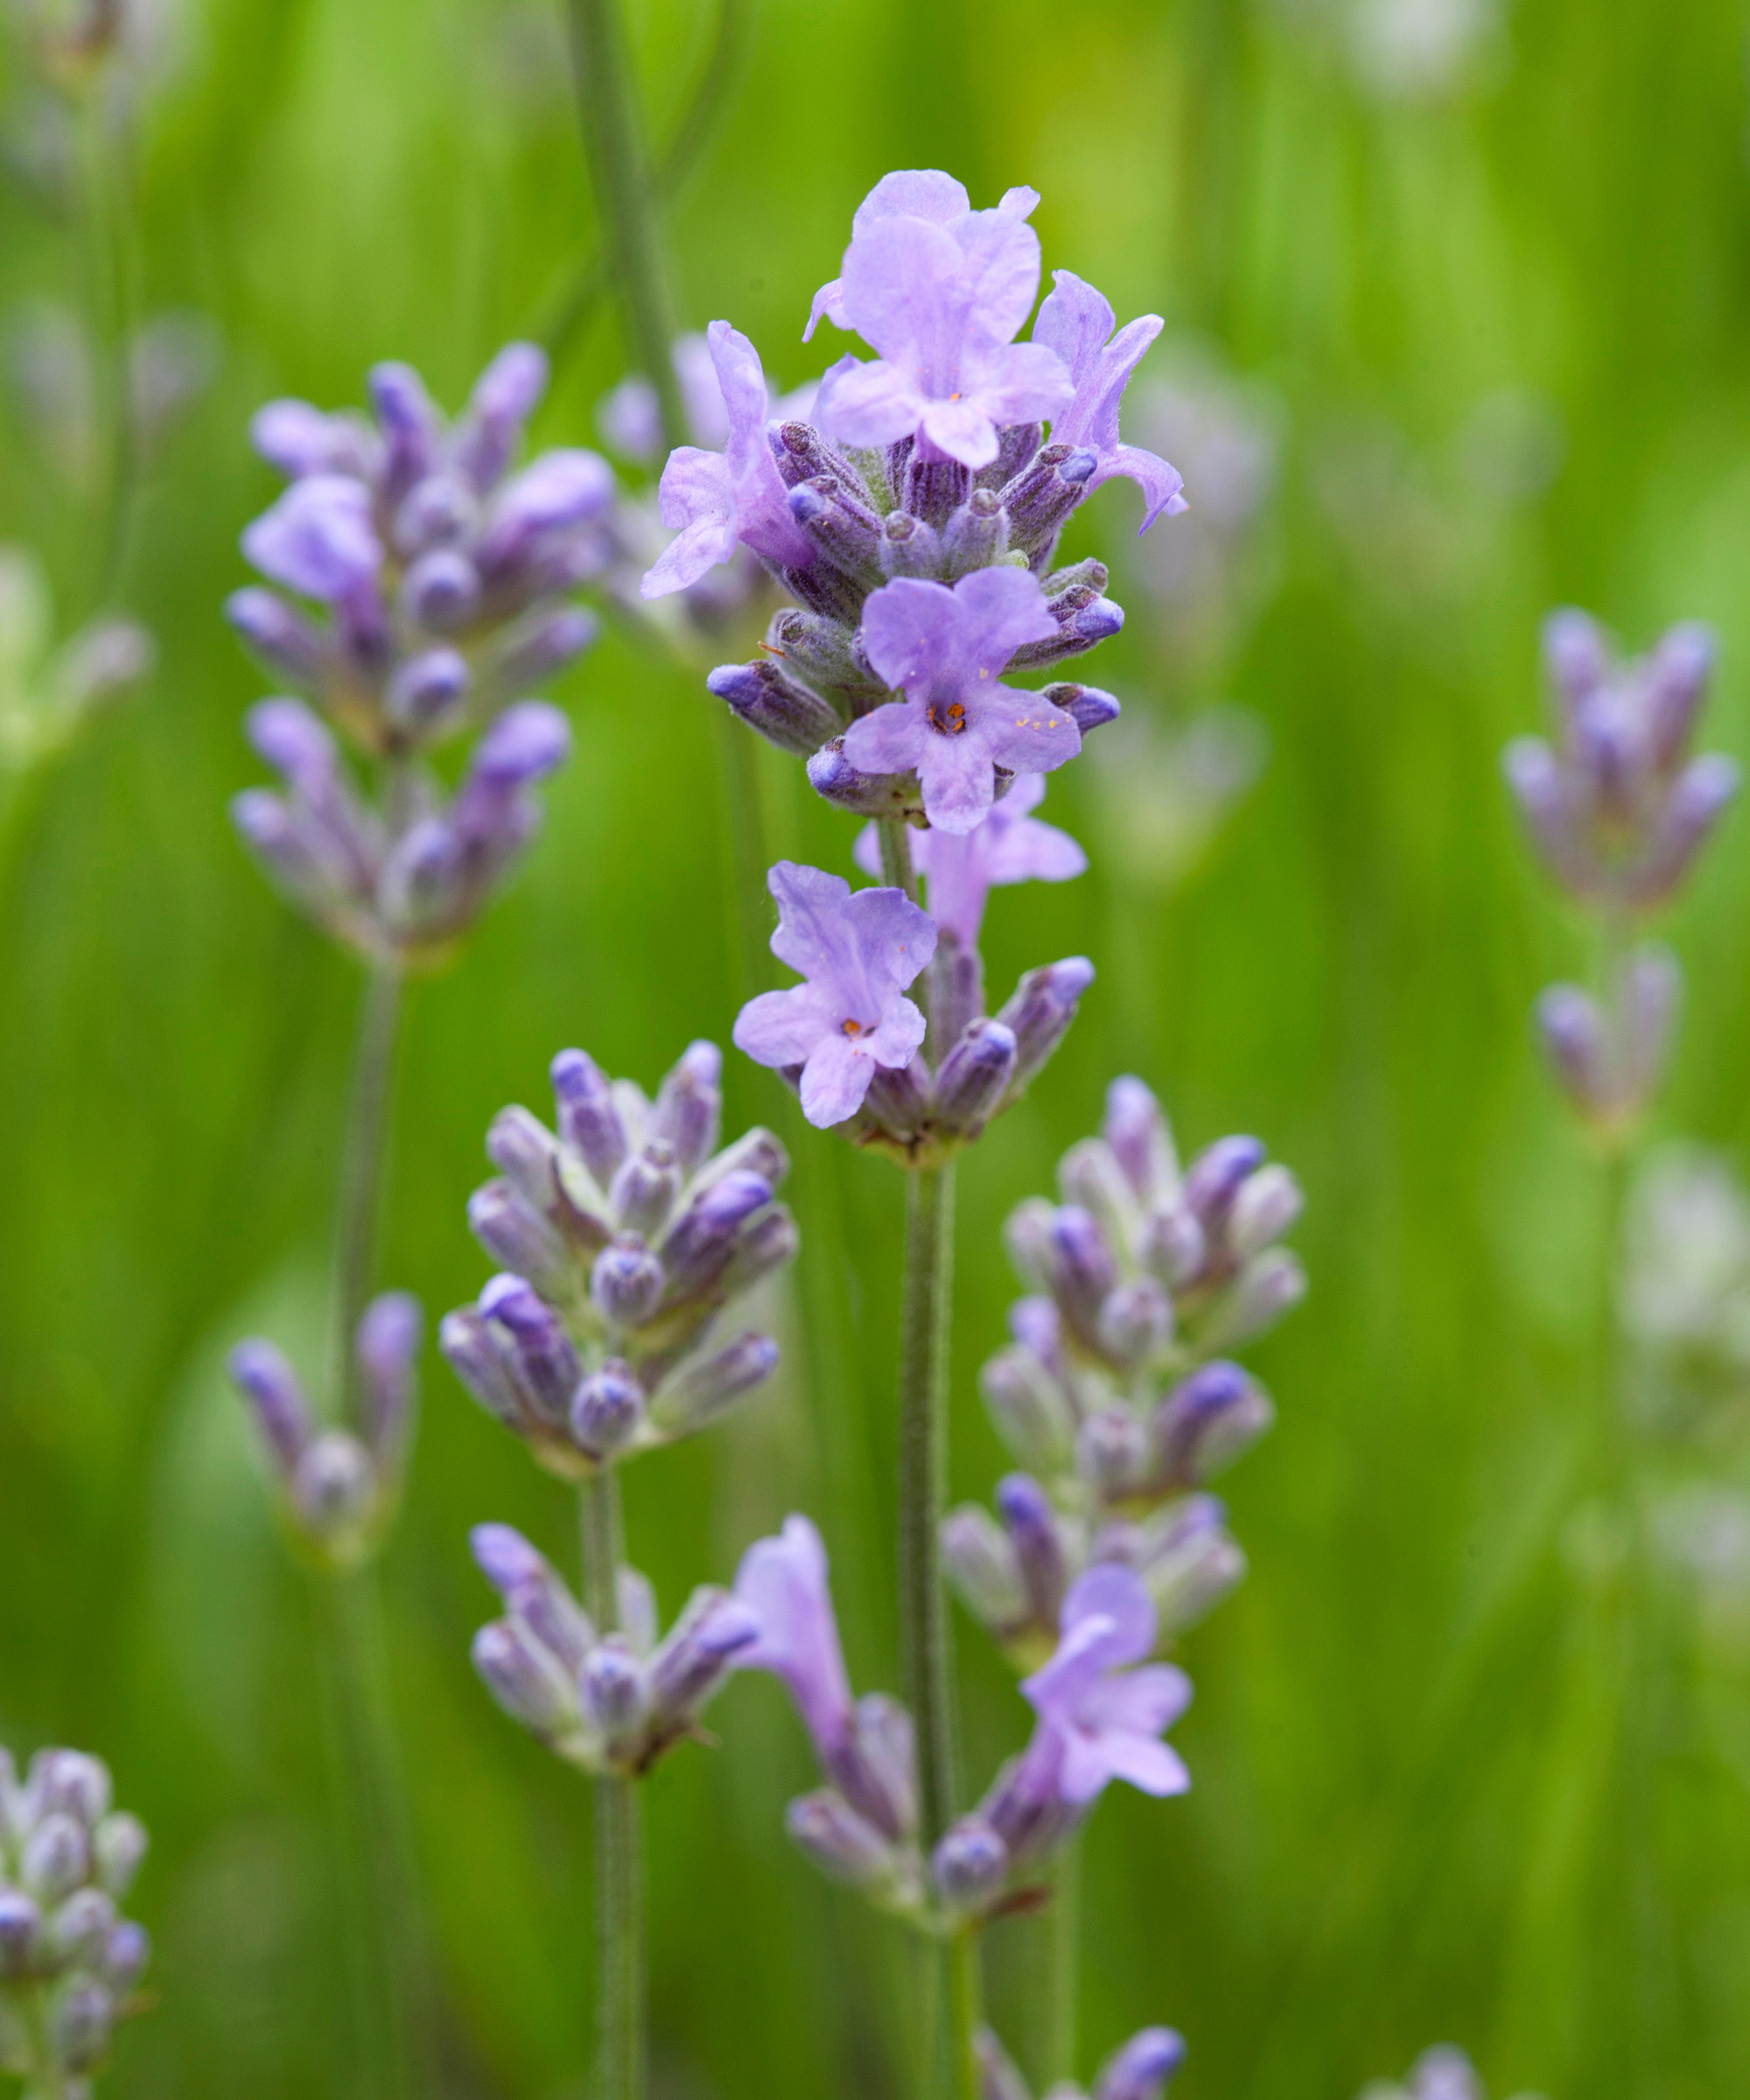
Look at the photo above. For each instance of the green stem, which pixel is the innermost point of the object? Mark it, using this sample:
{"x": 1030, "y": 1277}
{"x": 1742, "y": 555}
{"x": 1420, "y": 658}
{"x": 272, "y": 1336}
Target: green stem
{"x": 965, "y": 1959}
{"x": 925, "y": 1639}
{"x": 385, "y": 1940}
{"x": 897, "y": 871}
{"x": 110, "y": 307}
{"x": 362, "y": 1169}
{"x": 620, "y": 169}
{"x": 1057, "y": 1983}
{"x": 621, "y": 2066}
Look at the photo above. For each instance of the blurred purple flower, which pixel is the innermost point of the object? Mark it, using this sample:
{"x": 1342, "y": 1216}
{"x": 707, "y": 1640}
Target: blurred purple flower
{"x": 783, "y": 1582}
{"x": 318, "y": 539}
{"x": 1010, "y": 845}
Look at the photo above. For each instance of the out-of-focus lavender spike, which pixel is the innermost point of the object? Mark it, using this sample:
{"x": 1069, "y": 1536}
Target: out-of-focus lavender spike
{"x": 505, "y": 396}
{"x": 334, "y": 1485}
{"x": 1141, "y": 2068}
{"x": 841, "y": 1844}
{"x": 1698, "y": 796}
{"x": 428, "y": 691}
{"x": 981, "y": 1563}
{"x": 1208, "y": 1421}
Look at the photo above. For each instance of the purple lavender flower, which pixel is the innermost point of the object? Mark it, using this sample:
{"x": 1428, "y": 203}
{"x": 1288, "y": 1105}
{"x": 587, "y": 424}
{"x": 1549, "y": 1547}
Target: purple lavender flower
{"x": 947, "y": 650}
{"x": 318, "y": 539}
{"x": 940, "y": 292}
{"x": 1077, "y": 322}
{"x": 715, "y": 502}
{"x": 963, "y": 868}
{"x": 850, "y": 1018}
{"x": 783, "y": 1582}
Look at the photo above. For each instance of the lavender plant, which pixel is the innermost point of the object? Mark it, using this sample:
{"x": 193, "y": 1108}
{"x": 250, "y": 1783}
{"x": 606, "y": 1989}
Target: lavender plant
{"x": 69, "y": 1962}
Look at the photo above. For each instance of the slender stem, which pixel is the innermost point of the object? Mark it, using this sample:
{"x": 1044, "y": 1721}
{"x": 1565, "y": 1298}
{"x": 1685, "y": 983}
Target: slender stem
{"x": 925, "y": 1638}
{"x": 361, "y": 1170}
{"x": 1057, "y": 1982}
{"x": 385, "y": 1947}
{"x": 621, "y": 2066}
{"x": 110, "y": 303}
{"x": 897, "y": 871}
{"x": 619, "y": 168}
{"x": 966, "y": 1970}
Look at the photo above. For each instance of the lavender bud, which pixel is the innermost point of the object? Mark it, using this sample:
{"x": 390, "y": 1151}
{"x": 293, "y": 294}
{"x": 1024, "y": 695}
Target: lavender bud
{"x": 1575, "y": 653}
{"x": 435, "y": 511}
{"x": 505, "y": 396}
{"x": 1272, "y": 1284}
{"x": 1086, "y": 705}
{"x": 1032, "y": 1525}
{"x": 909, "y": 547}
{"x": 516, "y": 1234}
{"x": 836, "y": 781}
{"x": 688, "y": 1109}
{"x": 541, "y": 1350}
{"x": 505, "y": 1558}
{"x": 697, "y": 1656}
{"x": 877, "y": 1769}
{"x": 1042, "y": 495}
{"x": 387, "y": 1347}
{"x": 526, "y": 1681}
{"x": 294, "y": 744}
{"x": 1040, "y": 1010}
{"x": 1139, "y": 2069}
{"x": 20, "y": 1921}
{"x": 845, "y": 530}
{"x": 588, "y": 1119}
{"x": 1135, "y": 1322}
{"x": 608, "y": 1410}
{"x": 980, "y": 1562}
{"x": 283, "y": 638}
{"x": 80, "y": 2026}
{"x": 627, "y": 1281}
{"x": 297, "y": 438}
{"x": 1574, "y": 1038}
{"x": 703, "y": 1236}
{"x": 761, "y": 1249}
{"x": 1027, "y": 1239}
{"x": 1214, "y": 1178}
{"x": 934, "y": 488}
{"x": 561, "y": 490}
{"x": 1206, "y": 1422}
{"x": 705, "y": 1388}
{"x": 1137, "y": 1132}
{"x": 977, "y": 536}
{"x": 1089, "y": 1175}
{"x": 548, "y": 1612}
{"x": 56, "y": 1857}
{"x": 1111, "y": 1452}
{"x": 281, "y": 844}
{"x": 269, "y": 1383}
{"x": 72, "y": 1783}
{"x": 441, "y": 591}
{"x": 756, "y": 1151}
{"x": 469, "y": 1349}
{"x": 1680, "y": 666}
{"x": 1701, "y": 791}
{"x": 334, "y": 1484}
{"x": 613, "y": 1689}
{"x": 897, "y": 1101}
{"x": 786, "y": 712}
{"x": 118, "y": 1846}
{"x": 1172, "y": 1245}
{"x": 1082, "y": 1270}
{"x": 427, "y": 692}
{"x": 1267, "y": 1205}
{"x": 974, "y": 1076}
{"x": 527, "y": 1153}
{"x": 969, "y": 1866}
{"x": 75, "y": 1934}
{"x": 1030, "y": 1411}
{"x": 839, "y": 1841}
{"x": 125, "y": 1954}
{"x": 1184, "y": 1555}
{"x": 643, "y": 1192}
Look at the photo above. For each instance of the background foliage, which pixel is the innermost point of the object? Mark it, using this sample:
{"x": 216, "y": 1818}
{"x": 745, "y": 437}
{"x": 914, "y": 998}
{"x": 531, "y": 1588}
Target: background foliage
{"x": 1456, "y": 1775}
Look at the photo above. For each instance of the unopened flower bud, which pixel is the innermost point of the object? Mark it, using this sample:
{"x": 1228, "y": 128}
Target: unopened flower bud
{"x": 1206, "y": 1422}
{"x": 643, "y": 1192}
{"x": 125, "y": 1958}
{"x": 71, "y": 1782}
{"x": 981, "y": 1563}
{"x": 840, "y": 1842}
{"x": 119, "y": 1845}
{"x": 1087, "y": 705}
{"x": 789, "y": 714}
{"x": 55, "y": 1859}
{"x": 688, "y": 1107}
{"x": 334, "y": 1484}
{"x": 1184, "y": 1555}
{"x": 514, "y": 1234}
{"x": 697, "y": 1656}
{"x": 705, "y": 1388}
{"x": 80, "y": 2026}
{"x": 974, "y": 1076}
{"x": 836, "y": 781}
{"x": 470, "y": 1351}
{"x": 969, "y": 1866}
{"x": 1082, "y": 1268}
{"x": 1174, "y": 1246}
{"x": 1111, "y": 1452}
{"x": 608, "y": 1410}
{"x": 441, "y": 591}
{"x": 1135, "y": 1322}
{"x": 283, "y": 638}
{"x": 589, "y": 1122}
{"x": 540, "y": 1352}
{"x": 1032, "y": 1525}
{"x": 612, "y": 1689}
{"x": 761, "y": 1249}
{"x": 427, "y": 692}
{"x": 527, "y": 1683}
{"x": 1268, "y": 1203}
{"x": 627, "y": 1281}
{"x": 1139, "y": 2069}
{"x": 76, "y": 1933}
{"x": 1136, "y": 1130}
{"x": 1040, "y": 1011}
{"x": 701, "y": 1242}
{"x": 1214, "y": 1179}
{"x": 1265, "y": 1290}
{"x": 20, "y": 1921}
{"x": 1032, "y": 1414}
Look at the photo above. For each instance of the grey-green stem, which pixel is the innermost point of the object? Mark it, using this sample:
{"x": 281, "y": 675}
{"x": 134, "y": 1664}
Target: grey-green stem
{"x": 362, "y": 1171}
{"x": 1055, "y": 1997}
{"x": 965, "y": 1969}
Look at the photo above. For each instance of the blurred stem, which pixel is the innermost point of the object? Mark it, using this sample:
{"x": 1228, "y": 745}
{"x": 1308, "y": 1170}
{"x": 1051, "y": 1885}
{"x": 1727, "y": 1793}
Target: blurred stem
{"x": 745, "y": 840}
{"x": 925, "y": 1641}
{"x": 384, "y": 1939}
{"x": 693, "y": 135}
{"x": 619, "y": 1864}
{"x": 361, "y": 1170}
{"x": 626, "y": 198}
{"x": 109, "y": 302}
{"x": 1056, "y": 1994}
{"x": 965, "y": 1966}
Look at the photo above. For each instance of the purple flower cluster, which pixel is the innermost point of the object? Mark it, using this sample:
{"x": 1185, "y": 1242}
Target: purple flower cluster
{"x": 444, "y": 576}
{"x": 69, "y": 1962}
{"x": 625, "y": 1235}
{"x": 608, "y": 1702}
{"x": 339, "y": 1486}
{"x": 1097, "y": 1719}
{"x": 1111, "y": 1395}
{"x": 1618, "y": 809}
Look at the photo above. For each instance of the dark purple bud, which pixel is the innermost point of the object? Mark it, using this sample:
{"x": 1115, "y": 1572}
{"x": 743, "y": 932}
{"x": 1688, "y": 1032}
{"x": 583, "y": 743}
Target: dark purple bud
{"x": 1139, "y": 2069}
{"x": 428, "y": 691}
{"x": 608, "y": 1410}
{"x": 847, "y": 533}
{"x": 934, "y": 489}
{"x": 1081, "y": 466}
{"x": 969, "y": 1866}
{"x": 1082, "y": 1268}
{"x": 612, "y": 1684}
{"x": 1086, "y": 705}
{"x": 1111, "y": 1452}
{"x": 1031, "y": 1524}
{"x": 19, "y": 1919}
{"x": 540, "y": 1351}
{"x": 689, "y": 1107}
{"x": 387, "y": 1346}
{"x": 526, "y": 1681}
{"x": 470, "y": 1350}
{"x": 644, "y": 1190}
{"x": 1040, "y": 1011}
{"x": 1208, "y": 1421}
{"x": 909, "y": 547}
{"x": 1214, "y": 1178}
{"x": 627, "y": 1281}
{"x": 282, "y": 638}
{"x": 697, "y": 1656}
{"x": 410, "y": 426}
{"x": 782, "y": 709}
{"x": 974, "y": 1077}
{"x": 1135, "y": 1323}
{"x": 899, "y": 1102}
{"x": 55, "y": 1859}
{"x": 802, "y": 455}
{"x": 80, "y": 2026}
{"x": 540, "y": 651}
{"x": 299, "y": 439}
{"x": 125, "y": 1958}
{"x": 76, "y": 1934}
{"x": 980, "y": 1563}
{"x": 1701, "y": 792}
{"x": 527, "y": 743}
{"x": 267, "y": 1381}
{"x": 836, "y": 781}
{"x": 1031, "y": 1413}
{"x": 704, "y": 1235}
{"x": 841, "y": 1844}
{"x": 705, "y": 1387}
{"x": 517, "y": 1237}
{"x": 589, "y": 1122}
{"x": 1039, "y": 499}
{"x": 527, "y": 1153}
{"x": 119, "y": 1844}
{"x": 1098, "y": 622}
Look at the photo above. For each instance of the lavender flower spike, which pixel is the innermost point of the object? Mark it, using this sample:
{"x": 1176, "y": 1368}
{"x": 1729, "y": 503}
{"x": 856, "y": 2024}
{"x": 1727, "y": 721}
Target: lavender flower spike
{"x": 1010, "y": 845}
{"x": 1077, "y": 323}
{"x": 850, "y": 1018}
{"x": 715, "y": 502}
{"x": 947, "y": 649}
{"x": 940, "y": 292}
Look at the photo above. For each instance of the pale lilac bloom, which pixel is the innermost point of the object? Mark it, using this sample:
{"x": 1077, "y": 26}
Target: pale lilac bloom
{"x": 940, "y": 292}
{"x": 947, "y": 649}
{"x": 1077, "y": 323}
{"x": 857, "y": 954}
{"x": 1102, "y": 1720}
{"x": 318, "y": 539}
{"x": 715, "y": 501}
{"x": 963, "y": 868}
{"x": 782, "y": 1581}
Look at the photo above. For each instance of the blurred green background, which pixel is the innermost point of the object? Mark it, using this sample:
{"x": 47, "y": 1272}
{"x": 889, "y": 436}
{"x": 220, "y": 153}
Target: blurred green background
{"x": 1459, "y": 295}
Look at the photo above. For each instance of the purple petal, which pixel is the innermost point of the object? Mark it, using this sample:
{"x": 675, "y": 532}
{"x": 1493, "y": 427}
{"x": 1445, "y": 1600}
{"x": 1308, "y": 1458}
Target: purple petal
{"x": 958, "y": 777}
{"x": 780, "y": 1028}
{"x": 1000, "y": 610}
{"x": 783, "y": 1582}
{"x": 762, "y": 515}
{"x": 908, "y": 628}
{"x": 1153, "y": 1767}
{"x": 868, "y": 404}
{"x": 1076, "y": 321}
{"x": 1027, "y": 851}
{"x": 318, "y": 539}
{"x": 962, "y": 429}
{"x": 890, "y": 738}
{"x": 835, "y": 1079}
{"x": 1138, "y": 1702}
{"x": 1117, "y": 1593}
{"x": 1025, "y": 383}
